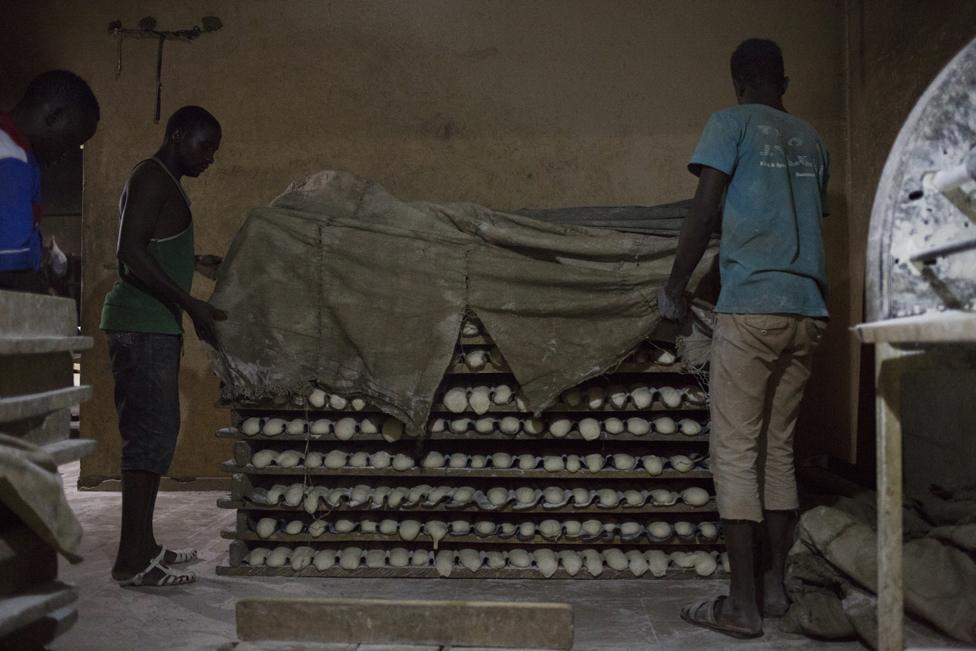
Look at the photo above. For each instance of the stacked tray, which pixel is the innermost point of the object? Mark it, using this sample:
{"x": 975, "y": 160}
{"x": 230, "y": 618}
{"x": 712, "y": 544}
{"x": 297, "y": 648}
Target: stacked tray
{"x": 610, "y": 482}
{"x": 38, "y": 394}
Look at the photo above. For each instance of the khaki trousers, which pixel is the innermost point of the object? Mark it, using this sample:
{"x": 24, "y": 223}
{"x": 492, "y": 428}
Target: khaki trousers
{"x": 759, "y": 368}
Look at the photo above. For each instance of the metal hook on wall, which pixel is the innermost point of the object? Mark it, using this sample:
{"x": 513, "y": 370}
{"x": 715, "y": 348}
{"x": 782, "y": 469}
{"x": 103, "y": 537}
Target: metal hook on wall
{"x": 147, "y": 29}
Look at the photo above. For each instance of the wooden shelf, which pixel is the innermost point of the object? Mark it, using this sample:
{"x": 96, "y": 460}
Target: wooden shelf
{"x": 43, "y": 345}
{"x": 465, "y": 473}
{"x": 651, "y": 368}
{"x": 439, "y": 410}
{"x": 42, "y": 632}
{"x": 460, "y": 369}
{"x": 574, "y": 435}
{"x": 70, "y": 450}
{"x": 19, "y": 611}
{"x": 619, "y": 510}
{"x": 424, "y": 539}
{"x": 951, "y": 326}
{"x": 629, "y": 368}
{"x": 37, "y": 404}
{"x": 476, "y": 340}
{"x": 457, "y": 573}
{"x": 234, "y": 433}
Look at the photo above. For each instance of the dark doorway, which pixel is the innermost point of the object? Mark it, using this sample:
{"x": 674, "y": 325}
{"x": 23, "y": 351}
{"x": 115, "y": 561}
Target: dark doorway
{"x": 61, "y": 195}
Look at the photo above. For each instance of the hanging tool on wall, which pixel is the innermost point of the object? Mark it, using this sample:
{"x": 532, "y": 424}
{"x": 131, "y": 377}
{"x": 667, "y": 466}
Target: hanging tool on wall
{"x": 147, "y": 29}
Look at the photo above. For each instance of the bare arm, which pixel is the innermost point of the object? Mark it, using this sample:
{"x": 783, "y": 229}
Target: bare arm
{"x": 207, "y": 265}
{"x": 145, "y": 196}
{"x": 703, "y": 220}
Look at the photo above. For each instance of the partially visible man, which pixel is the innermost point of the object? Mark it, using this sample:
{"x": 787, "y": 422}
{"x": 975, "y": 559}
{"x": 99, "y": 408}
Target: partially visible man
{"x": 57, "y": 114}
{"x": 142, "y": 320}
{"x": 762, "y": 176}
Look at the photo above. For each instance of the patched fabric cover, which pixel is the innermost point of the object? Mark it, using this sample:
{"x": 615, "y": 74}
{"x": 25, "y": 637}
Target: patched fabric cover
{"x": 339, "y": 283}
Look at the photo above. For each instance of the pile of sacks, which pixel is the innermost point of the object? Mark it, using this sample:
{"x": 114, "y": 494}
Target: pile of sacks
{"x": 832, "y": 570}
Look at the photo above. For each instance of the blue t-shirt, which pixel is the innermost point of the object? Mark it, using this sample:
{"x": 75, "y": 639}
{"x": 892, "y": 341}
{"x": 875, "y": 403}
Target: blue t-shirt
{"x": 20, "y": 195}
{"x": 771, "y": 255}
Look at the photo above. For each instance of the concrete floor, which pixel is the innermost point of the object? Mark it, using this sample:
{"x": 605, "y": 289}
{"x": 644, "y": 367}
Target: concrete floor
{"x": 610, "y": 615}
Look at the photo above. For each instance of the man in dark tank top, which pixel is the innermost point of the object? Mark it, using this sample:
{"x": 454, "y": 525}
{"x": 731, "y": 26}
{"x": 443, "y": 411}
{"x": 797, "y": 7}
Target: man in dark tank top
{"x": 142, "y": 320}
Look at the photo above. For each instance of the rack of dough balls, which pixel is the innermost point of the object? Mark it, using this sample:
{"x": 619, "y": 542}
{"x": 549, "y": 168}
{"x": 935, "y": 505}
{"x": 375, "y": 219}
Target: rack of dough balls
{"x": 463, "y": 411}
{"x": 610, "y": 481}
{"x": 476, "y": 353}
{"x": 270, "y": 493}
{"x": 470, "y": 532}
{"x": 466, "y": 394}
{"x": 468, "y": 562}
{"x": 484, "y": 496}
{"x": 482, "y": 529}
{"x": 282, "y": 458}
{"x": 483, "y": 513}
{"x": 606, "y": 394}
{"x": 275, "y": 426}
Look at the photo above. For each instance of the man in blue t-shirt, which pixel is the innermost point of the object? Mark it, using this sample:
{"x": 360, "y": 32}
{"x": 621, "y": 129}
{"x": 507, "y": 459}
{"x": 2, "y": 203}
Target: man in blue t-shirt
{"x": 58, "y": 113}
{"x": 762, "y": 178}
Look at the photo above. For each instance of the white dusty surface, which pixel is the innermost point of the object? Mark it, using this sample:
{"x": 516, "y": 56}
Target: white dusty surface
{"x": 610, "y": 615}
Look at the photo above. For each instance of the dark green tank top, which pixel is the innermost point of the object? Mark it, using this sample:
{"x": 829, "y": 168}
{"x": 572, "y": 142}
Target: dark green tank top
{"x": 128, "y": 308}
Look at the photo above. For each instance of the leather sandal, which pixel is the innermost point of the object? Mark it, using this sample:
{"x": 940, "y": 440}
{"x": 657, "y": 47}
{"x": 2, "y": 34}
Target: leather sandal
{"x": 705, "y": 614}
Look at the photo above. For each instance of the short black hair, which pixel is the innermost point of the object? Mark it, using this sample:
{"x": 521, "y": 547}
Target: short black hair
{"x": 758, "y": 61}
{"x": 189, "y": 118}
{"x": 65, "y": 88}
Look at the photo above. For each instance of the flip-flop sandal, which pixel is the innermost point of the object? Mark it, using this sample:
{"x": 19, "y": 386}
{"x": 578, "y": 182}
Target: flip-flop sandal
{"x": 168, "y": 578}
{"x": 774, "y": 614}
{"x": 182, "y": 555}
{"x": 704, "y": 614}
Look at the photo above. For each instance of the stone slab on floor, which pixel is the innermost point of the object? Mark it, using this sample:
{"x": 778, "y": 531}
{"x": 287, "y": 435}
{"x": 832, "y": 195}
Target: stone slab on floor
{"x": 287, "y": 646}
{"x": 313, "y": 646}
{"x": 501, "y": 624}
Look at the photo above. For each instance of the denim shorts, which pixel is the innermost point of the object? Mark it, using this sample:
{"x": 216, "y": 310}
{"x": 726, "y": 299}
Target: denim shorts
{"x": 146, "y": 368}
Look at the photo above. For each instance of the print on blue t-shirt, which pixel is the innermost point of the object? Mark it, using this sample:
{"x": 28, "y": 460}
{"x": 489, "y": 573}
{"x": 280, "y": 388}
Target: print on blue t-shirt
{"x": 771, "y": 256}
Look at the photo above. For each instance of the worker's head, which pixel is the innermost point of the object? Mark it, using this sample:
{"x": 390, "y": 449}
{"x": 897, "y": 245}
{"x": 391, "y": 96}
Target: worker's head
{"x": 58, "y": 113}
{"x": 757, "y": 70}
{"x": 193, "y": 134}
